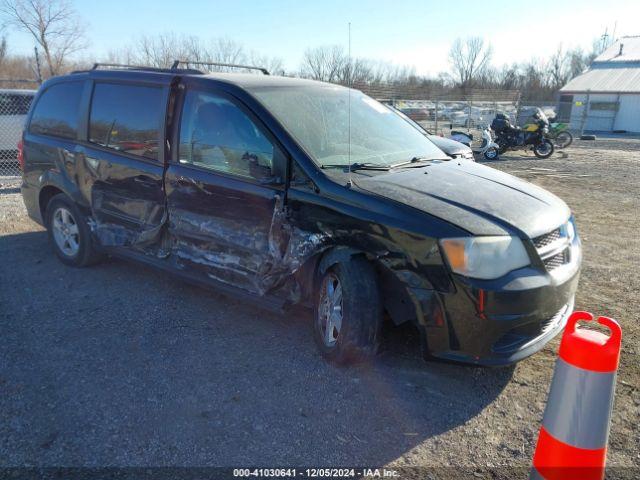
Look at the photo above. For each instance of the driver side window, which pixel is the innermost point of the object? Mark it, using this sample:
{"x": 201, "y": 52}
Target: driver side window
{"x": 216, "y": 134}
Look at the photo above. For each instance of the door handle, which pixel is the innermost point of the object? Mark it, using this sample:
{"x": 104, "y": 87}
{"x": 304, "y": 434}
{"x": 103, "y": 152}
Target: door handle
{"x": 180, "y": 180}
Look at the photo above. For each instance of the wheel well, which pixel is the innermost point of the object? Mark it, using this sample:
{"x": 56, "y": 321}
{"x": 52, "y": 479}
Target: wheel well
{"x": 396, "y": 302}
{"x": 46, "y": 194}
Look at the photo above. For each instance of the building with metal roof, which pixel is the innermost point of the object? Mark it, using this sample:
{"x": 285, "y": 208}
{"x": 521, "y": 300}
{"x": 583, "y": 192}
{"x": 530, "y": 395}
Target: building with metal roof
{"x": 606, "y": 97}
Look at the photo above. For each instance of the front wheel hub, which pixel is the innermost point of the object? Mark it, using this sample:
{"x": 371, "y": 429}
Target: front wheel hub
{"x": 65, "y": 232}
{"x": 330, "y": 312}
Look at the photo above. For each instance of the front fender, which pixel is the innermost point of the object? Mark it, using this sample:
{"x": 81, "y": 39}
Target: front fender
{"x": 336, "y": 255}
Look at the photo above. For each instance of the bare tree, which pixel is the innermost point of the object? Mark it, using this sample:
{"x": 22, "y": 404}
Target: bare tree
{"x": 224, "y": 50}
{"x": 468, "y": 59}
{"x": 161, "y": 50}
{"x": 274, "y": 65}
{"x": 3, "y": 49}
{"x": 325, "y": 63}
{"x": 54, "y": 25}
{"x": 559, "y": 68}
{"x": 332, "y": 64}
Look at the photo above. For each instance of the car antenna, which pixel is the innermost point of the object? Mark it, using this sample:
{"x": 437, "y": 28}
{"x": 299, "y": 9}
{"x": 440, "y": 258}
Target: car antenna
{"x": 349, "y": 85}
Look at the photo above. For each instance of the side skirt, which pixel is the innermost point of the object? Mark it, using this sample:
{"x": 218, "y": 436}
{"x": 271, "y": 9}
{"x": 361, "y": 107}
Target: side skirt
{"x": 269, "y": 302}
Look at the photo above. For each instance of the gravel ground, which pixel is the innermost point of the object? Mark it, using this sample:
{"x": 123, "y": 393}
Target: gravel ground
{"x": 120, "y": 365}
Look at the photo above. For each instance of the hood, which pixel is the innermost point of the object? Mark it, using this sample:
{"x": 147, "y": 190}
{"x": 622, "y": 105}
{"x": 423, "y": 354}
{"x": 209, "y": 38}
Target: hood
{"x": 448, "y": 146}
{"x": 479, "y": 199}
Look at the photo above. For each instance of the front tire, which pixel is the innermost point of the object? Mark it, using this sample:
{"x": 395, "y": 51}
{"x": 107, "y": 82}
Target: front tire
{"x": 491, "y": 153}
{"x": 347, "y": 312}
{"x": 543, "y": 149}
{"x": 69, "y": 232}
{"x": 563, "y": 140}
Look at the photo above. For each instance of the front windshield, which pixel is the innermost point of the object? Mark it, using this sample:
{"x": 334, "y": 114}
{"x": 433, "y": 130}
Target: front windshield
{"x": 318, "y": 118}
{"x": 408, "y": 119}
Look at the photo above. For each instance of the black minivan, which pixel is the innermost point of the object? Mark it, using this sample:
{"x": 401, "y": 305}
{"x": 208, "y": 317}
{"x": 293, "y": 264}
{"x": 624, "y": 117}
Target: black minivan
{"x": 289, "y": 191}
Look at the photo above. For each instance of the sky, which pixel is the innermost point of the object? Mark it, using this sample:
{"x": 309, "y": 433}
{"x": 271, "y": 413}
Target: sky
{"x": 403, "y": 32}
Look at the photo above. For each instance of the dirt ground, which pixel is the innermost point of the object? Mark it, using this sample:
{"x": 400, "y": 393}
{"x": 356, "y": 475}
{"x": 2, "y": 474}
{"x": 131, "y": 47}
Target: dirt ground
{"x": 119, "y": 365}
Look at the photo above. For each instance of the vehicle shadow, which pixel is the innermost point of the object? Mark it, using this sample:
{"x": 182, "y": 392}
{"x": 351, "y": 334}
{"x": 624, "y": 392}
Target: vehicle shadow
{"x": 121, "y": 365}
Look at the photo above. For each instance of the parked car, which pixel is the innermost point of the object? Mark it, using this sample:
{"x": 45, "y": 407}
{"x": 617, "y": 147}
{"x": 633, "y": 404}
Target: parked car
{"x": 458, "y": 118}
{"x": 255, "y": 185}
{"x": 14, "y": 105}
{"x": 417, "y": 114}
{"x": 451, "y": 148}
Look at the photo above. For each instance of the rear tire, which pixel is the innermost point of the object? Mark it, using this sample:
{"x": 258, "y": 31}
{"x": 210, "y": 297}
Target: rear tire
{"x": 502, "y": 147}
{"x": 69, "y": 232}
{"x": 543, "y": 149}
{"x": 347, "y": 312}
{"x": 563, "y": 140}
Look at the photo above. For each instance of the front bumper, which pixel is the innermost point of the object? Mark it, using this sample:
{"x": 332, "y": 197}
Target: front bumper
{"x": 499, "y": 322}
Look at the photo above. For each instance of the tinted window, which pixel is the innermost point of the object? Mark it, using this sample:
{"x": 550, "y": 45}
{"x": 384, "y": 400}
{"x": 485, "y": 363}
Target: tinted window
{"x": 14, "y": 104}
{"x": 56, "y": 112}
{"x": 215, "y": 133}
{"x": 127, "y": 118}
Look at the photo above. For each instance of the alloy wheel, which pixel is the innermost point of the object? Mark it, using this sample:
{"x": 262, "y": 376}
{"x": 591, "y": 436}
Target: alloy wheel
{"x": 330, "y": 309}
{"x": 65, "y": 232}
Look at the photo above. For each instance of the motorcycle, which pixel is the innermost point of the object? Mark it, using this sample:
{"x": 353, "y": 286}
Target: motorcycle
{"x": 533, "y": 136}
{"x": 488, "y": 148}
{"x": 559, "y": 133}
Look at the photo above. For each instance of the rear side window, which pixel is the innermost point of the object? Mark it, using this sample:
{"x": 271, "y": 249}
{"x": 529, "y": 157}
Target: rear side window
{"x": 127, "y": 118}
{"x": 14, "y": 104}
{"x": 56, "y": 112}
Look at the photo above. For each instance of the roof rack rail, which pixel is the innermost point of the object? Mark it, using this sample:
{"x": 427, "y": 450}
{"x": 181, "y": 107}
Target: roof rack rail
{"x": 124, "y": 66}
{"x": 177, "y": 64}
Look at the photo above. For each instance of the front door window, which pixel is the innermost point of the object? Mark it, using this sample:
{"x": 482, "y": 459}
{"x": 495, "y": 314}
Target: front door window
{"x": 217, "y": 134}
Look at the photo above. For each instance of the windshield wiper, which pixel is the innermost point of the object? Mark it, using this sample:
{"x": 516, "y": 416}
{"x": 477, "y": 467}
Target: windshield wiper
{"x": 358, "y": 166}
{"x": 412, "y": 163}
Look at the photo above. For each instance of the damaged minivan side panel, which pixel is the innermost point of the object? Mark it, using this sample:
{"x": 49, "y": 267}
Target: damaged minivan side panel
{"x": 121, "y": 160}
{"x": 225, "y": 186}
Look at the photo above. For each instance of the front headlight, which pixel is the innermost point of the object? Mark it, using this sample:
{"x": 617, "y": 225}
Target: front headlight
{"x": 571, "y": 229}
{"x": 484, "y": 257}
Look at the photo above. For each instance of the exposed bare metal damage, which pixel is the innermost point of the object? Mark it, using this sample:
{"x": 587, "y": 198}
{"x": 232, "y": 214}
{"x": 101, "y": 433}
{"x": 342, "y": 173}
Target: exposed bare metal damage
{"x": 281, "y": 251}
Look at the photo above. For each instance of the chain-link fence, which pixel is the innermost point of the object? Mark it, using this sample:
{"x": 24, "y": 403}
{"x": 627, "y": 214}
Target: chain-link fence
{"x": 15, "y": 99}
{"x": 441, "y": 112}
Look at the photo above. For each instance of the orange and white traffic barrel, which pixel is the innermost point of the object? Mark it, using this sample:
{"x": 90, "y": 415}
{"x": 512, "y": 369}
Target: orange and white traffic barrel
{"x": 572, "y": 444}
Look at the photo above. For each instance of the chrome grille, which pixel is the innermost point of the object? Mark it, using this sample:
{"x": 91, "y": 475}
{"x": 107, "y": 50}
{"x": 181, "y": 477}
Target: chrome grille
{"x": 553, "y": 248}
{"x": 547, "y": 239}
{"x": 556, "y": 260}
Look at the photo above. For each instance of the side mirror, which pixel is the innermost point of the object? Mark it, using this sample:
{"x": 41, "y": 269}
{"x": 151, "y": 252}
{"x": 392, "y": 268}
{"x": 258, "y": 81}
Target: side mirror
{"x": 262, "y": 173}
{"x": 258, "y": 171}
